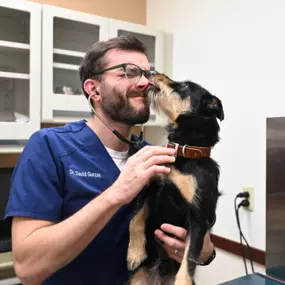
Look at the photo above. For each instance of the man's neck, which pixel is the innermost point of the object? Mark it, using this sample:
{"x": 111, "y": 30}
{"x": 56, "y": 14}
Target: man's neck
{"x": 106, "y": 136}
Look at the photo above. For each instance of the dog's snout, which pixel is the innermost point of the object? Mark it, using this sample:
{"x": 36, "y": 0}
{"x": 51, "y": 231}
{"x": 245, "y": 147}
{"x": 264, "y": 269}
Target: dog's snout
{"x": 157, "y": 80}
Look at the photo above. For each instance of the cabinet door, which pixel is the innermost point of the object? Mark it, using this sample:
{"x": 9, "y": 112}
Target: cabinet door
{"x": 20, "y": 69}
{"x": 152, "y": 39}
{"x": 67, "y": 36}
{"x": 154, "y": 43}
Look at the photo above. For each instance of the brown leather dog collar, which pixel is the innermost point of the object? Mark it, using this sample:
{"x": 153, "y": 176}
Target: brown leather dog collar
{"x": 190, "y": 151}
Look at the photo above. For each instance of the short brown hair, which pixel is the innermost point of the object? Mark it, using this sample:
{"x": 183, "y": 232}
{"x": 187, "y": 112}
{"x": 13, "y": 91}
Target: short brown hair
{"x": 94, "y": 60}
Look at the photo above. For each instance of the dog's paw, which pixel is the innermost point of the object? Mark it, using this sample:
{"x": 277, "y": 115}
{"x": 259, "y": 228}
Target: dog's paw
{"x": 135, "y": 258}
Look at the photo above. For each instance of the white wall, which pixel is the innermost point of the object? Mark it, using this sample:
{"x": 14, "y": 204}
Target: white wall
{"x": 235, "y": 49}
{"x": 225, "y": 267}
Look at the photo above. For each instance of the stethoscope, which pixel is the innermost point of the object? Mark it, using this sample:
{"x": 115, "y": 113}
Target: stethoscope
{"x": 136, "y": 143}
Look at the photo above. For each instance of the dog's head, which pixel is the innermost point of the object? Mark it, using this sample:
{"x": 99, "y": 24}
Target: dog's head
{"x": 175, "y": 98}
{"x": 192, "y": 111}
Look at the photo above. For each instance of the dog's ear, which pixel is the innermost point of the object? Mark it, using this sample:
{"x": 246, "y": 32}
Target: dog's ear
{"x": 220, "y": 110}
{"x": 214, "y": 106}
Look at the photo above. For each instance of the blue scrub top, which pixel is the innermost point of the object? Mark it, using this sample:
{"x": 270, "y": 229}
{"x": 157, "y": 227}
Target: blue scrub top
{"x": 60, "y": 170}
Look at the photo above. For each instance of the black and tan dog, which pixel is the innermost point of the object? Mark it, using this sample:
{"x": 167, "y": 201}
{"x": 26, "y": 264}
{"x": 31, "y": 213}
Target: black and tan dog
{"x": 187, "y": 197}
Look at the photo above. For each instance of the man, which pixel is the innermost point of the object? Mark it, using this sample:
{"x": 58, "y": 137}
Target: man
{"x": 72, "y": 189}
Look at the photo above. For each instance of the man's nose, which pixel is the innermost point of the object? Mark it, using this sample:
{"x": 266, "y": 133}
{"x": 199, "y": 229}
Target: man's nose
{"x": 143, "y": 84}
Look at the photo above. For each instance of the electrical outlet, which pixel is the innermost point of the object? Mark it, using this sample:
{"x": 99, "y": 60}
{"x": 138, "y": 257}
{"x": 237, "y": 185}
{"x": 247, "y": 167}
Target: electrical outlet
{"x": 250, "y": 190}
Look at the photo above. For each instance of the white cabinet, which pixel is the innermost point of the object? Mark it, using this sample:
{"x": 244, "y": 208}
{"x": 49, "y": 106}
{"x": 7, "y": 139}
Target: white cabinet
{"x": 67, "y": 36}
{"x": 154, "y": 42}
{"x": 20, "y": 69}
{"x": 41, "y": 48}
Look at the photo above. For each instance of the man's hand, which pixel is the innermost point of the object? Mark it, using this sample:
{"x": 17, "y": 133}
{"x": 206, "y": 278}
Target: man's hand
{"x": 139, "y": 169}
{"x": 175, "y": 246}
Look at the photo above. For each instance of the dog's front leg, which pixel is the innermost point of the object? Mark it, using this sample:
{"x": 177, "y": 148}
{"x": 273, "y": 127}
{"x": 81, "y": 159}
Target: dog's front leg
{"x": 136, "y": 249}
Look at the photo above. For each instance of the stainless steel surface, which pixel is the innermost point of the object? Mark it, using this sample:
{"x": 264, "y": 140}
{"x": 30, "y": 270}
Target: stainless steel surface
{"x": 275, "y": 198}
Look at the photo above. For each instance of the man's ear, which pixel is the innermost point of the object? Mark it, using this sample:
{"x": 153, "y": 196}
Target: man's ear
{"x": 91, "y": 87}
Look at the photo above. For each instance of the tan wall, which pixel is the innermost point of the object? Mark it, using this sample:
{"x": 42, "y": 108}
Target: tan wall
{"x": 125, "y": 10}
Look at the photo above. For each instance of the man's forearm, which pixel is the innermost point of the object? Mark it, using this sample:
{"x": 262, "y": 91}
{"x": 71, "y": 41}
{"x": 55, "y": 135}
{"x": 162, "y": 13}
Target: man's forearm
{"x": 49, "y": 248}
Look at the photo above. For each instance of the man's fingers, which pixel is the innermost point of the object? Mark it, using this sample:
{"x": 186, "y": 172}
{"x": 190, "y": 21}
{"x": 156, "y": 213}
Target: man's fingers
{"x": 158, "y": 159}
{"x": 177, "y": 255}
{"x": 147, "y": 152}
{"x": 175, "y": 247}
{"x": 207, "y": 249}
{"x": 170, "y": 241}
{"x": 157, "y": 169}
{"x": 176, "y": 231}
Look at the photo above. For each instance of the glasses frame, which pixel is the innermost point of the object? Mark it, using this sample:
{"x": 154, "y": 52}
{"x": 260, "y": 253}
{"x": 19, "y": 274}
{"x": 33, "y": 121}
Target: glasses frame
{"x": 147, "y": 73}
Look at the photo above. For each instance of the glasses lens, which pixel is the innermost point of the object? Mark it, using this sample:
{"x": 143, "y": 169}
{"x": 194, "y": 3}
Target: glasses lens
{"x": 133, "y": 72}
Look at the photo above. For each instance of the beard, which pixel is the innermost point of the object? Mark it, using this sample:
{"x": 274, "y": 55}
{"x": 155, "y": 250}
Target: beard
{"x": 119, "y": 108}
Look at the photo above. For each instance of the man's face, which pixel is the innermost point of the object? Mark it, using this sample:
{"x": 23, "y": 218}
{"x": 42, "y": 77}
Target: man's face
{"x": 124, "y": 99}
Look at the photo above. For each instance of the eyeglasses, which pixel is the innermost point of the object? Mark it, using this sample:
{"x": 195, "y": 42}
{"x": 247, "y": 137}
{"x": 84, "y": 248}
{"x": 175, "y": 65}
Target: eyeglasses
{"x": 131, "y": 71}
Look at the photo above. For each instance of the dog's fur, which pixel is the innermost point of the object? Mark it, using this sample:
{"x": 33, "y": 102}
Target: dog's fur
{"x": 187, "y": 197}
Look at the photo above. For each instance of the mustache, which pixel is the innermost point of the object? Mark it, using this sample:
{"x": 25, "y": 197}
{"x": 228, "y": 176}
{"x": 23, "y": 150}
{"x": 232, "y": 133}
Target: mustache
{"x": 137, "y": 94}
